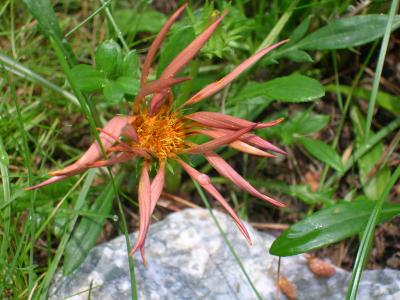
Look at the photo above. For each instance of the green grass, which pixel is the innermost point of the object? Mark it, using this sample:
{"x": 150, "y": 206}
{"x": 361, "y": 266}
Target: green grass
{"x": 46, "y": 120}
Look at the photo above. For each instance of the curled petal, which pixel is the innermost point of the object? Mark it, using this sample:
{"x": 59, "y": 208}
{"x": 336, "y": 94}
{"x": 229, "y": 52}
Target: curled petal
{"x": 191, "y": 50}
{"x": 218, "y": 85}
{"x": 227, "y": 171}
{"x": 238, "y": 145}
{"x": 220, "y": 141}
{"x": 205, "y": 182}
{"x": 157, "y": 186}
{"x": 130, "y": 132}
{"x": 157, "y": 42}
{"x": 218, "y": 120}
{"x": 114, "y": 127}
{"x": 159, "y": 85}
{"x": 144, "y": 193}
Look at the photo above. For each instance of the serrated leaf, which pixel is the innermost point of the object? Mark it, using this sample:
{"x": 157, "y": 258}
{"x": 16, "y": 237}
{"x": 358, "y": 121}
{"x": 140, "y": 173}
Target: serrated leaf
{"x": 322, "y": 152}
{"x": 113, "y": 92}
{"x": 328, "y": 226}
{"x": 87, "y": 78}
{"x": 293, "y": 88}
{"x": 108, "y": 58}
{"x": 87, "y": 232}
{"x": 348, "y": 32}
{"x": 130, "y": 85}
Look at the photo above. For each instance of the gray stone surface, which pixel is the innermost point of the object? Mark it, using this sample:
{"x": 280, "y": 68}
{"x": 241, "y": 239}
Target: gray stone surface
{"x": 188, "y": 259}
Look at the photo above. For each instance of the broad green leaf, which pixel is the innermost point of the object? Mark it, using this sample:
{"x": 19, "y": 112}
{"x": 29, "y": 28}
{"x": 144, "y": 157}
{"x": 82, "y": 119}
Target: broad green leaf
{"x": 322, "y": 152}
{"x": 88, "y": 231}
{"x": 129, "y": 85}
{"x": 328, "y": 226}
{"x": 383, "y": 99}
{"x": 293, "y": 88}
{"x": 108, "y": 58}
{"x": 130, "y": 65}
{"x": 348, "y": 32}
{"x": 176, "y": 43}
{"x": 113, "y": 92}
{"x": 87, "y": 78}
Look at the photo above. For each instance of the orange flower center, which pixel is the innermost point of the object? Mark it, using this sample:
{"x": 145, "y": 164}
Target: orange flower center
{"x": 162, "y": 134}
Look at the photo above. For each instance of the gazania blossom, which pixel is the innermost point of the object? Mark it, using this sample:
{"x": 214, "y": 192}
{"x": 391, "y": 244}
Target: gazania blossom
{"x": 156, "y": 133}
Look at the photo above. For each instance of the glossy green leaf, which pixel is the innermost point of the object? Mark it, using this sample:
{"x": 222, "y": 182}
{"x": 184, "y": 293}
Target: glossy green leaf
{"x": 129, "y": 85}
{"x": 293, "y": 88}
{"x": 87, "y": 78}
{"x": 130, "y": 65}
{"x": 113, "y": 92}
{"x": 328, "y": 226}
{"x": 89, "y": 229}
{"x": 347, "y": 32}
{"x": 322, "y": 152}
{"x": 300, "y": 31}
{"x": 108, "y": 58}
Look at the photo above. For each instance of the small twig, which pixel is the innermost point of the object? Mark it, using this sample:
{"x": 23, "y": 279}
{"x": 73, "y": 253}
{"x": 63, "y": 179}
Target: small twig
{"x": 272, "y": 226}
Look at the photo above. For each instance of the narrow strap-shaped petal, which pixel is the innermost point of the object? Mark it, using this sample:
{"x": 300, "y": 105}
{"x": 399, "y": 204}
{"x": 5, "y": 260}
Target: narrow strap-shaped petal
{"x": 227, "y": 171}
{"x": 255, "y": 140}
{"x": 144, "y": 194}
{"x": 190, "y": 51}
{"x": 220, "y": 141}
{"x": 121, "y": 157}
{"x": 218, "y": 85}
{"x": 114, "y": 127}
{"x": 157, "y": 186}
{"x": 46, "y": 182}
{"x": 219, "y": 120}
{"x": 157, "y": 42}
{"x": 205, "y": 182}
{"x": 238, "y": 145}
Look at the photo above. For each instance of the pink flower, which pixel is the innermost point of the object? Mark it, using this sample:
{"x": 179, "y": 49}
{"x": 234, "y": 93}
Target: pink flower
{"x": 156, "y": 133}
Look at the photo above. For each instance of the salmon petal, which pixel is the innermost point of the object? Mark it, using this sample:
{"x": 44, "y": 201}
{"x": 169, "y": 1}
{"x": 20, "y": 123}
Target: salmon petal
{"x": 205, "y": 182}
{"x": 219, "y": 120}
{"x": 218, "y": 85}
{"x": 222, "y": 167}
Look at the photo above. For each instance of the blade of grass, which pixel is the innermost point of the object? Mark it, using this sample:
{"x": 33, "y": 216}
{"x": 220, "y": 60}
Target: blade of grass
{"x": 225, "y": 238}
{"x": 44, "y": 287}
{"x": 6, "y": 214}
{"x": 345, "y": 110}
{"x": 92, "y": 15}
{"x": 273, "y": 34}
{"x": 115, "y": 27}
{"x": 367, "y": 238}
{"x": 21, "y": 71}
{"x": 366, "y": 241}
{"x": 372, "y": 141}
{"x": 379, "y": 67}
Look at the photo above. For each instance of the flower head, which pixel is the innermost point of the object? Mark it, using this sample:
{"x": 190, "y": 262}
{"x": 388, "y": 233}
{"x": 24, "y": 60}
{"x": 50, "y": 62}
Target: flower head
{"x": 157, "y": 133}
